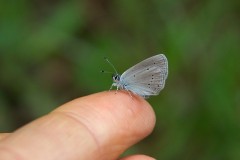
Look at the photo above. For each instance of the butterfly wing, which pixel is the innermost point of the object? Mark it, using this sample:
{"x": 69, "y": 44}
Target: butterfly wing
{"x": 147, "y": 77}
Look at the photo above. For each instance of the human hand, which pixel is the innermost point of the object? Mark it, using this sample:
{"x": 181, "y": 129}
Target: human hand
{"x": 96, "y": 127}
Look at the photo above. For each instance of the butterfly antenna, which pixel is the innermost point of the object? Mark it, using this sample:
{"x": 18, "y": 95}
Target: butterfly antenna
{"x": 102, "y": 71}
{"x": 111, "y": 65}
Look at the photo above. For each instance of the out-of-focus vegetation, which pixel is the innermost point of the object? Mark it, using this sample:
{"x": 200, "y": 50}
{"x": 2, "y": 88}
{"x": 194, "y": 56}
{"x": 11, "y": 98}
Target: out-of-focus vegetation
{"x": 52, "y": 52}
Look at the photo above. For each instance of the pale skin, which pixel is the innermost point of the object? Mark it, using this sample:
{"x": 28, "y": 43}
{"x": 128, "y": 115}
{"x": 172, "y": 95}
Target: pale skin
{"x": 100, "y": 126}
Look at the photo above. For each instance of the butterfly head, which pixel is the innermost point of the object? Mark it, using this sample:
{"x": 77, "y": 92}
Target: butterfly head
{"x": 116, "y": 78}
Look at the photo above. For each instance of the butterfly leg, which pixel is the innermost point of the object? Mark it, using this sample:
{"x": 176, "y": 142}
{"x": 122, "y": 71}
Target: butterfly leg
{"x": 116, "y": 90}
{"x": 110, "y": 88}
{"x": 130, "y": 94}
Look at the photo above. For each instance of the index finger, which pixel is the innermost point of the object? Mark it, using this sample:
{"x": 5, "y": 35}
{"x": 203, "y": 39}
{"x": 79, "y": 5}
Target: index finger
{"x": 99, "y": 126}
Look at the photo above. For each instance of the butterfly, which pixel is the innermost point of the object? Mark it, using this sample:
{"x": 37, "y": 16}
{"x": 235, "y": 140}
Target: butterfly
{"x": 146, "y": 78}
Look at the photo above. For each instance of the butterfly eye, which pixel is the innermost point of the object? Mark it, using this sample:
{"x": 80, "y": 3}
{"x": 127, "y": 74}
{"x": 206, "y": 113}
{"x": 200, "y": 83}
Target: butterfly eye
{"x": 116, "y": 77}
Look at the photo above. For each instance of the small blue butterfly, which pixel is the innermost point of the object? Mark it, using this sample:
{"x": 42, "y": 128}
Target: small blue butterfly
{"x": 146, "y": 78}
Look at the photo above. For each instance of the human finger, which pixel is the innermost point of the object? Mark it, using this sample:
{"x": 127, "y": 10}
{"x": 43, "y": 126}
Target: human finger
{"x": 99, "y": 126}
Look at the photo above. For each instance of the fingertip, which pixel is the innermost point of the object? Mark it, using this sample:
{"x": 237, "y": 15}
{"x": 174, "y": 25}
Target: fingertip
{"x": 114, "y": 119}
{"x": 128, "y": 111}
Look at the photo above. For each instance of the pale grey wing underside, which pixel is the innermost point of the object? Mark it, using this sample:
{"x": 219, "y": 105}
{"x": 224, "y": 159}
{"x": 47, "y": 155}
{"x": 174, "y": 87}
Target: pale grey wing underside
{"x": 147, "y": 77}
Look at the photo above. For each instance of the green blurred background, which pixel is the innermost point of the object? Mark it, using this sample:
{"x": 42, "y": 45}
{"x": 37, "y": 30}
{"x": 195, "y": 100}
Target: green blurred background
{"x": 52, "y": 51}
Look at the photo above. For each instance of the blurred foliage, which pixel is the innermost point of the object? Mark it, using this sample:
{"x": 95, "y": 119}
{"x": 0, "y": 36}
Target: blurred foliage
{"x": 52, "y": 52}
